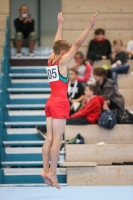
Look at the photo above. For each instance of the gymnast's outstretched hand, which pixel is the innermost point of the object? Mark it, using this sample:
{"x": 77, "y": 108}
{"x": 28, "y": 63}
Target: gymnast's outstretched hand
{"x": 60, "y": 19}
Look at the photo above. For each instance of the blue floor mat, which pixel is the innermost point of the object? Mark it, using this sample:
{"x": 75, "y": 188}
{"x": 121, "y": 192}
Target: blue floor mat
{"x": 66, "y": 193}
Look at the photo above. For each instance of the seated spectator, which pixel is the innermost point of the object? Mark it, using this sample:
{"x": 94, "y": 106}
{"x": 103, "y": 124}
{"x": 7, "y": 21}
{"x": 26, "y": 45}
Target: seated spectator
{"x": 118, "y": 60}
{"x": 84, "y": 69}
{"x": 107, "y": 89}
{"x": 25, "y": 35}
{"x": 75, "y": 91}
{"x": 91, "y": 110}
{"x": 130, "y": 49}
{"x": 99, "y": 48}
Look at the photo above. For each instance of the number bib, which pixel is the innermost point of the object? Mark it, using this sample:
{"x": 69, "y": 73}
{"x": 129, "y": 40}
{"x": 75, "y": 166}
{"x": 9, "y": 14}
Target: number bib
{"x": 53, "y": 74}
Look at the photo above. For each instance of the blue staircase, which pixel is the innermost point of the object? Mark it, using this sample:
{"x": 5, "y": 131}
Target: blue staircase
{"x": 23, "y": 94}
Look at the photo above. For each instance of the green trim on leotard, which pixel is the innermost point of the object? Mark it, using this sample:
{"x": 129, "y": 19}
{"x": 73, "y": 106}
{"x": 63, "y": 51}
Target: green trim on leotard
{"x": 64, "y": 79}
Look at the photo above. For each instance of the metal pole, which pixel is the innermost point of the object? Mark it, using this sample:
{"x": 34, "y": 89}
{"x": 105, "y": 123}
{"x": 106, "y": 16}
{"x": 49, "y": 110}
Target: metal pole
{"x": 39, "y": 22}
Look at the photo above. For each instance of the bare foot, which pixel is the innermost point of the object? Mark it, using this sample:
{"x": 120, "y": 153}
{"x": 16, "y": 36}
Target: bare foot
{"x": 53, "y": 179}
{"x": 47, "y": 181}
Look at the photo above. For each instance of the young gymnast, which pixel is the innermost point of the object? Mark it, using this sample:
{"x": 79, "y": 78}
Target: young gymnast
{"x": 57, "y": 107}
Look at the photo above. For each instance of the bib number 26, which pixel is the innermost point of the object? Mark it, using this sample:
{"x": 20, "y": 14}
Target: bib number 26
{"x": 52, "y": 73}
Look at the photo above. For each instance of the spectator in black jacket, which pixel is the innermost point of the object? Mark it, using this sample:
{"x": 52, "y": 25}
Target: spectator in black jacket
{"x": 118, "y": 60}
{"x": 99, "y": 48}
{"x": 25, "y": 35}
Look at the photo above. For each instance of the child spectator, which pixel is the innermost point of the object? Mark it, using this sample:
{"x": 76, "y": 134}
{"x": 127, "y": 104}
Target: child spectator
{"x": 100, "y": 47}
{"x": 118, "y": 60}
{"x": 130, "y": 49}
{"x": 107, "y": 88}
{"x": 91, "y": 110}
{"x": 84, "y": 69}
{"x": 75, "y": 91}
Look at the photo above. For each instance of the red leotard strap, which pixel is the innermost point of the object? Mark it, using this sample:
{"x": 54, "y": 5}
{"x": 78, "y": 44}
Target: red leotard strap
{"x": 55, "y": 63}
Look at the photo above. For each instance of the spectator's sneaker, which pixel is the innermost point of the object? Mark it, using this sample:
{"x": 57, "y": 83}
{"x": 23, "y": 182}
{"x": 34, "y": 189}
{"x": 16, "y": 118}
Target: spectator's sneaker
{"x": 77, "y": 140}
{"x": 31, "y": 54}
{"x": 18, "y": 54}
{"x": 42, "y": 131}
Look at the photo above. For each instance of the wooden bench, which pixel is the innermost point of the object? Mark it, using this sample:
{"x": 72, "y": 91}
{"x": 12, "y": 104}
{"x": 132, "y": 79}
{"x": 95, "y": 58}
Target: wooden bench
{"x": 120, "y": 134}
{"x": 78, "y": 164}
{"x": 118, "y": 149}
{"x": 101, "y": 154}
{"x": 125, "y": 81}
{"x": 100, "y": 176}
{"x": 128, "y": 96}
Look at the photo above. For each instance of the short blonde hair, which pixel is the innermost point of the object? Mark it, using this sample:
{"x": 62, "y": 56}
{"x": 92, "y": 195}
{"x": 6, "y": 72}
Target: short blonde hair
{"x": 60, "y": 45}
{"x": 118, "y": 41}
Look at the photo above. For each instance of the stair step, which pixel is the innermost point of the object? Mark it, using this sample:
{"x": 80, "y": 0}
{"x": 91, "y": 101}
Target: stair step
{"x": 28, "y": 98}
{"x": 24, "y": 57}
{"x": 26, "y": 163}
{"x": 24, "y": 124}
{"x": 25, "y": 106}
{"x": 26, "y": 81}
{"x": 30, "y": 170}
{"x": 25, "y": 131}
{"x": 25, "y": 150}
{"x": 27, "y": 69}
{"x": 23, "y": 143}
{"x": 26, "y": 61}
{"x": 78, "y": 164}
{"x": 25, "y": 115}
{"x": 28, "y": 176}
{"x": 27, "y": 75}
{"x": 30, "y": 85}
{"x": 20, "y": 134}
{"x": 25, "y": 154}
{"x": 29, "y": 90}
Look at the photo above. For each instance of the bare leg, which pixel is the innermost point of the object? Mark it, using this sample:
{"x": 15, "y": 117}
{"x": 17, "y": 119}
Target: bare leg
{"x": 18, "y": 45}
{"x": 31, "y": 45}
{"x": 58, "y": 130}
{"x": 46, "y": 150}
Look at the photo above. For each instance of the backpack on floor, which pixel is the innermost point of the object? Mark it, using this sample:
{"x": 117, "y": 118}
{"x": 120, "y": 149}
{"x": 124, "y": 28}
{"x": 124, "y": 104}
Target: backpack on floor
{"x": 107, "y": 119}
{"x": 123, "y": 116}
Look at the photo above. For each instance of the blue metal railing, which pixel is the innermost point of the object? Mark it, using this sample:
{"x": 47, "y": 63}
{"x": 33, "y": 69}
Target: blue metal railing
{"x": 5, "y": 63}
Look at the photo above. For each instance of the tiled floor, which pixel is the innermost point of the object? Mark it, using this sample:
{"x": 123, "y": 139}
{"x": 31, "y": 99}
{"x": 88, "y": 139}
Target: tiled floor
{"x": 66, "y": 193}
